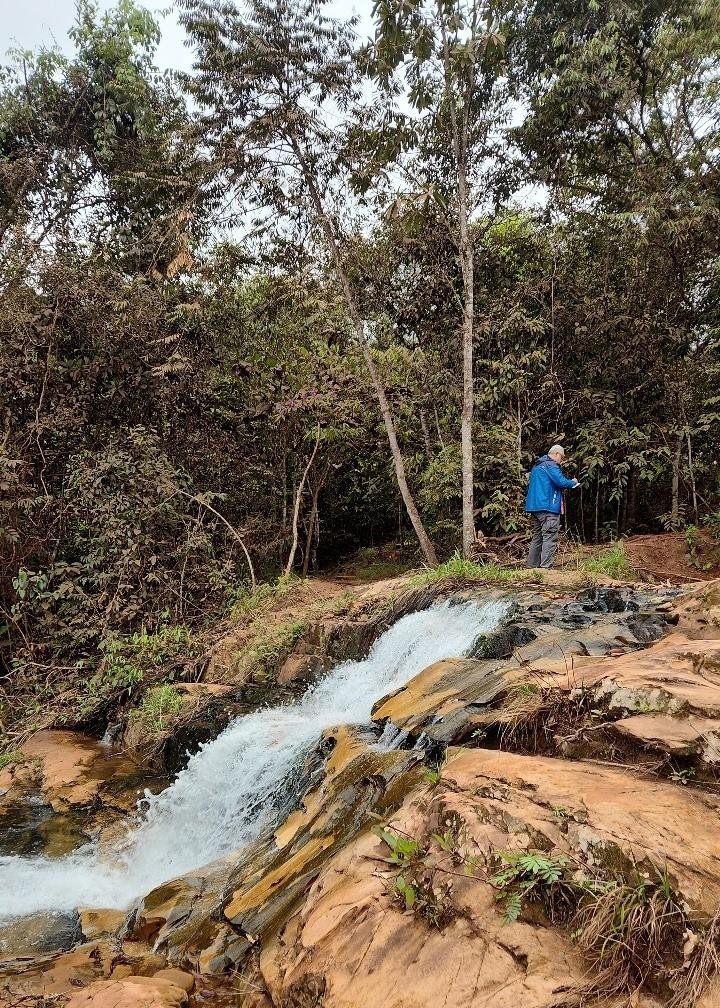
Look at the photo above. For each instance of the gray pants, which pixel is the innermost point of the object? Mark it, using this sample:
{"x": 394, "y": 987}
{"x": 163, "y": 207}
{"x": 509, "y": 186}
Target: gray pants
{"x": 546, "y": 529}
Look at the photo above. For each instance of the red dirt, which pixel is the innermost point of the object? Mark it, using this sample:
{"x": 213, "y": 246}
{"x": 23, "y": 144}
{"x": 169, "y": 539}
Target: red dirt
{"x": 667, "y": 557}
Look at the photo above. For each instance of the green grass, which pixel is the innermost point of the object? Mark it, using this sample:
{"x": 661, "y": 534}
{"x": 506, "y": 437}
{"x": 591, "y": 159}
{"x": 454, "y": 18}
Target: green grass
{"x": 252, "y": 603}
{"x": 8, "y": 758}
{"x": 459, "y": 568}
{"x": 159, "y": 707}
{"x": 612, "y": 562}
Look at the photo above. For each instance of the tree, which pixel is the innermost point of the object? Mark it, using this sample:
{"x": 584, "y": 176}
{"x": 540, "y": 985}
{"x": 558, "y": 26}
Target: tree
{"x": 446, "y": 59}
{"x": 266, "y": 80}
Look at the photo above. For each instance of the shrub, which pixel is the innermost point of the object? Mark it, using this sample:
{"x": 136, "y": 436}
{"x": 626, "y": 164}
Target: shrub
{"x": 129, "y": 659}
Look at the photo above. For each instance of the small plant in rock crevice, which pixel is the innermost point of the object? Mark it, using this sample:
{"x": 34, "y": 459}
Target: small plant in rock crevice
{"x": 423, "y": 880}
{"x": 682, "y": 776}
{"x": 532, "y": 875}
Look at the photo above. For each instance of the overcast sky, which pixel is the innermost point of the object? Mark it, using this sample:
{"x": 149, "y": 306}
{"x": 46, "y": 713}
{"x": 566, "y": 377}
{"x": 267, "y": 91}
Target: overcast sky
{"x": 32, "y": 23}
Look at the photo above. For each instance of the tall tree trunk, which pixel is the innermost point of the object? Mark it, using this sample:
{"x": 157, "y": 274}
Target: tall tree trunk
{"x": 691, "y": 470}
{"x": 460, "y": 134}
{"x": 296, "y": 509}
{"x": 413, "y": 514}
{"x": 468, "y": 401}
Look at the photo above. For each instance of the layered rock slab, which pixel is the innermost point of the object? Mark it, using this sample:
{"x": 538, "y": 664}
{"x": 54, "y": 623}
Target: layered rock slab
{"x": 352, "y": 943}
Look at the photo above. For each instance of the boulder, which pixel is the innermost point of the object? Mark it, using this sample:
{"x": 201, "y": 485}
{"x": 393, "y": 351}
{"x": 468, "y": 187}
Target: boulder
{"x": 300, "y": 668}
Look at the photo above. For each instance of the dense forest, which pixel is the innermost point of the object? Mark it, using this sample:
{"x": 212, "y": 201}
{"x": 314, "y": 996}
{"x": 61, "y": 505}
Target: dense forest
{"x": 328, "y": 291}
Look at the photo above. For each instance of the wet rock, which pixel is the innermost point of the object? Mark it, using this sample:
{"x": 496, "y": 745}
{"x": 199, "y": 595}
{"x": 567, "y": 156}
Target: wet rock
{"x": 38, "y": 934}
{"x": 100, "y": 923}
{"x": 30, "y": 826}
{"x": 301, "y": 668}
{"x": 608, "y": 600}
{"x": 214, "y": 917}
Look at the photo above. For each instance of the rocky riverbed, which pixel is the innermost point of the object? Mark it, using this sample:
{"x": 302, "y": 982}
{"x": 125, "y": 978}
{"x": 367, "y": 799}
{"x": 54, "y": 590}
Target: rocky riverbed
{"x": 580, "y": 733}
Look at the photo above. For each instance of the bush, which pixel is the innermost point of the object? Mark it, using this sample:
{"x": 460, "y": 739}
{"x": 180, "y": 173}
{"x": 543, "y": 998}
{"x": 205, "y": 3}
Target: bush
{"x": 129, "y": 658}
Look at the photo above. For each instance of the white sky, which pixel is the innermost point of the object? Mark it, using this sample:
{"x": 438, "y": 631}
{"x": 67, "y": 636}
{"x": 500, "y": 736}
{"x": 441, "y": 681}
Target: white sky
{"x": 32, "y": 23}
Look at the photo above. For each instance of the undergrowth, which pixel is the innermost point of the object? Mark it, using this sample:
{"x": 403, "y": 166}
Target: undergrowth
{"x": 245, "y": 601}
{"x": 10, "y": 757}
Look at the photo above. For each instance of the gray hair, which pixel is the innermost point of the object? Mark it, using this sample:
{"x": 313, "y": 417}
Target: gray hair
{"x": 555, "y": 449}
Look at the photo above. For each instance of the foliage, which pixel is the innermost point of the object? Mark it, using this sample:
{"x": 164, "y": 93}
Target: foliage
{"x": 522, "y": 875}
{"x": 130, "y": 659}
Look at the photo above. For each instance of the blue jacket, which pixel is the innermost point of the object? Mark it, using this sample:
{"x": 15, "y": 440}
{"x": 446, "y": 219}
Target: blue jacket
{"x": 546, "y": 486}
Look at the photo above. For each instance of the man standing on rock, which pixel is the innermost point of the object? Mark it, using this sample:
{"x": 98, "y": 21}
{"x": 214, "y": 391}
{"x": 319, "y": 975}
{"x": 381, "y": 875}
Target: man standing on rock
{"x": 544, "y": 502}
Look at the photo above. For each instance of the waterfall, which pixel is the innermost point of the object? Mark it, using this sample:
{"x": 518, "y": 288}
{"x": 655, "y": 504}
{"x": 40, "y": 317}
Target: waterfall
{"x": 238, "y": 784}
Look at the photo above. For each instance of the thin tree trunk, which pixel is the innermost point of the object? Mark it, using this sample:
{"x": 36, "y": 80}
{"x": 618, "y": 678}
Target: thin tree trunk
{"x": 314, "y": 521}
{"x": 675, "y": 498}
{"x": 426, "y": 433}
{"x": 296, "y": 509}
{"x": 597, "y": 510}
{"x": 466, "y": 426}
{"x": 413, "y": 514}
{"x": 226, "y": 523}
{"x": 691, "y": 469}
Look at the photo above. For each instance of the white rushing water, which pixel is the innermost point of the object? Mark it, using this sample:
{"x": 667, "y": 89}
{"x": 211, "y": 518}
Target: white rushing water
{"x": 232, "y": 788}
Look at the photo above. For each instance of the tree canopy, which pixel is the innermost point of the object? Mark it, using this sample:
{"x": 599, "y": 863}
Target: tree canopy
{"x": 326, "y": 291}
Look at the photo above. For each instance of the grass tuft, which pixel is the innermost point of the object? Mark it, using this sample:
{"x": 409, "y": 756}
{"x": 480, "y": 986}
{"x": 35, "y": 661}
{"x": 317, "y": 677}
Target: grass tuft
{"x": 630, "y": 934}
{"x": 612, "y": 562}
{"x": 702, "y": 967}
{"x": 457, "y": 568}
{"x": 159, "y": 707}
{"x": 10, "y": 757}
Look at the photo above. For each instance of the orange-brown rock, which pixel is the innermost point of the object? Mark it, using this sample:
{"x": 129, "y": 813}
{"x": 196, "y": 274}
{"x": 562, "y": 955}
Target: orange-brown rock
{"x": 99, "y": 923}
{"x": 352, "y": 943}
{"x": 131, "y": 992}
{"x": 693, "y": 735}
